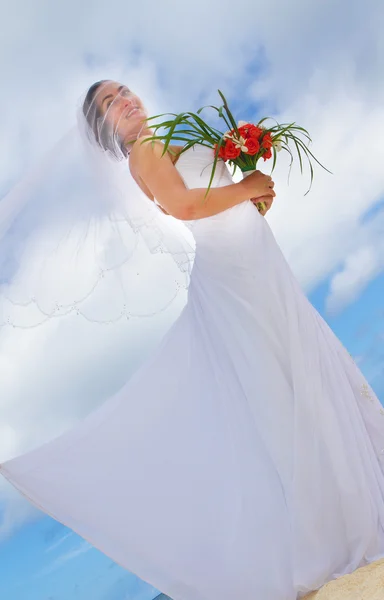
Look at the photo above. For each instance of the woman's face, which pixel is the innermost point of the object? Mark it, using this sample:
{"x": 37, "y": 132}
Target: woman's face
{"x": 122, "y": 109}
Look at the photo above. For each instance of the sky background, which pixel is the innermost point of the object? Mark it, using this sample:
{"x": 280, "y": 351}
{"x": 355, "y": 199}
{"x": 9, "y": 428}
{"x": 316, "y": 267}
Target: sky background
{"x": 318, "y": 63}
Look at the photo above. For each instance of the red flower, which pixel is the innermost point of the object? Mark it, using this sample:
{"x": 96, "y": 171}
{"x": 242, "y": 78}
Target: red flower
{"x": 267, "y": 142}
{"x": 252, "y": 145}
{"x": 231, "y": 150}
{"x": 228, "y": 151}
{"x": 250, "y": 130}
{"x": 221, "y": 151}
{"x": 267, "y": 154}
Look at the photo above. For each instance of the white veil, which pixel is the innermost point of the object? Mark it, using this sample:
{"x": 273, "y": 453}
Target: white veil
{"x": 78, "y": 236}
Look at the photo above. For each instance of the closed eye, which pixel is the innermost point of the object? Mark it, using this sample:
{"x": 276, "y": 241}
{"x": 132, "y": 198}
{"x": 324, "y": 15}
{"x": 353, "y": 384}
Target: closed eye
{"x": 104, "y": 102}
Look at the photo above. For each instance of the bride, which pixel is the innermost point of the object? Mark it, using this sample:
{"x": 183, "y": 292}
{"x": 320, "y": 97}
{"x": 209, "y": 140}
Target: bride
{"x": 244, "y": 458}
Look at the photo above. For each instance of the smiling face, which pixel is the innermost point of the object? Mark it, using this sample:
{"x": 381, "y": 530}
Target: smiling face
{"x": 115, "y": 114}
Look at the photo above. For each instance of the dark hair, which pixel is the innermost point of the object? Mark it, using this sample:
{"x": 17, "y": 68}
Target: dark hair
{"x": 103, "y": 138}
{"x": 92, "y": 116}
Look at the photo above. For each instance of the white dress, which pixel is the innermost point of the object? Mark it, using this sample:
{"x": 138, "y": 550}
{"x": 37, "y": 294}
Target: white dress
{"x": 244, "y": 459}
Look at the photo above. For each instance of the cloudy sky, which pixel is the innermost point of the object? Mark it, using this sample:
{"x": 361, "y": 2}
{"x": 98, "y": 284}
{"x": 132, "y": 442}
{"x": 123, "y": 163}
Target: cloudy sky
{"x": 318, "y": 63}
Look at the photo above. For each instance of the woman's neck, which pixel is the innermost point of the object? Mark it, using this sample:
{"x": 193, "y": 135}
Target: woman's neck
{"x": 144, "y": 132}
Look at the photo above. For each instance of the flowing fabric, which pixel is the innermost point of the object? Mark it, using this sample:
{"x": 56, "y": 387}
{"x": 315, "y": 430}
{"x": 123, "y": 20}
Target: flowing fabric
{"x": 244, "y": 458}
{"x": 78, "y": 236}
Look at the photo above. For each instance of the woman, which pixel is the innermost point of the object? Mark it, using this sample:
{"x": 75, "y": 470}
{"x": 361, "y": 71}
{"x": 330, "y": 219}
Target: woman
{"x": 114, "y": 103}
{"x": 243, "y": 459}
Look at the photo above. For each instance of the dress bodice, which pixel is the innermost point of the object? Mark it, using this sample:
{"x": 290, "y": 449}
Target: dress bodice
{"x": 232, "y": 230}
{"x": 195, "y": 166}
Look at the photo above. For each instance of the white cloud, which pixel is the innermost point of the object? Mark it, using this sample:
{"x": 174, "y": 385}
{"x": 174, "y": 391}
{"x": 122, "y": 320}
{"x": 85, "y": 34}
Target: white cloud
{"x": 308, "y": 66}
{"x": 15, "y": 511}
{"x": 318, "y": 232}
{"x": 360, "y": 267}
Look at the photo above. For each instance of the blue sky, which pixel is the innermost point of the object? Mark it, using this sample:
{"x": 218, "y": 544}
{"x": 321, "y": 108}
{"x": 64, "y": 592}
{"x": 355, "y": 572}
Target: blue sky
{"x": 46, "y": 560}
{"x": 297, "y": 62}
{"x": 360, "y": 327}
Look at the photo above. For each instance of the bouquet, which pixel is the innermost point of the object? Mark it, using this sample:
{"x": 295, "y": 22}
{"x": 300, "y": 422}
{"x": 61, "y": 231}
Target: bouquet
{"x": 242, "y": 145}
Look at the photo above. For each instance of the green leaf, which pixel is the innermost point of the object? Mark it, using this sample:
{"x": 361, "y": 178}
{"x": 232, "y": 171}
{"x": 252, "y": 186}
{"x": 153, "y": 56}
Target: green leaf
{"x": 299, "y": 154}
{"x": 218, "y": 110}
{"x": 274, "y": 158}
{"x": 161, "y": 115}
{"x": 209, "y": 130}
{"x": 265, "y": 119}
{"x": 219, "y": 145}
{"x": 229, "y": 114}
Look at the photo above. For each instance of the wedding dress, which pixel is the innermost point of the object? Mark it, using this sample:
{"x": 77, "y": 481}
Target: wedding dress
{"x": 244, "y": 458}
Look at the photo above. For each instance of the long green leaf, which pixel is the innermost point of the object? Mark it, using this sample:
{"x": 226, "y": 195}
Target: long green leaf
{"x": 229, "y": 114}
{"x": 216, "y": 158}
{"x": 274, "y": 158}
{"x": 205, "y": 126}
{"x": 299, "y": 154}
{"x": 161, "y": 115}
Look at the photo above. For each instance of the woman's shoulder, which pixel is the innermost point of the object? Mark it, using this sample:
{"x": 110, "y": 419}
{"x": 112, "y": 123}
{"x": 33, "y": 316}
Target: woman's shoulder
{"x": 143, "y": 151}
{"x": 144, "y": 145}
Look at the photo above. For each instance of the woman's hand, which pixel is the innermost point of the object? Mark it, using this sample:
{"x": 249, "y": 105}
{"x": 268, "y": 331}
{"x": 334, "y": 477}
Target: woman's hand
{"x": 257, "y": 184}
{"x": 266, "y": 200}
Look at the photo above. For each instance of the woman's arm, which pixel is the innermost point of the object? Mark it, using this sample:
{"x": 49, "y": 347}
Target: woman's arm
{"x": 165, "y": 183}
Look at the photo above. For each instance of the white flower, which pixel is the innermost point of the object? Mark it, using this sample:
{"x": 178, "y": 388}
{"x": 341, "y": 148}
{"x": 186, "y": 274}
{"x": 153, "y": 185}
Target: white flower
{"x": 240, "y": 143}
{"x": 242, "y": 123}
{"x": 277, "y": 145}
